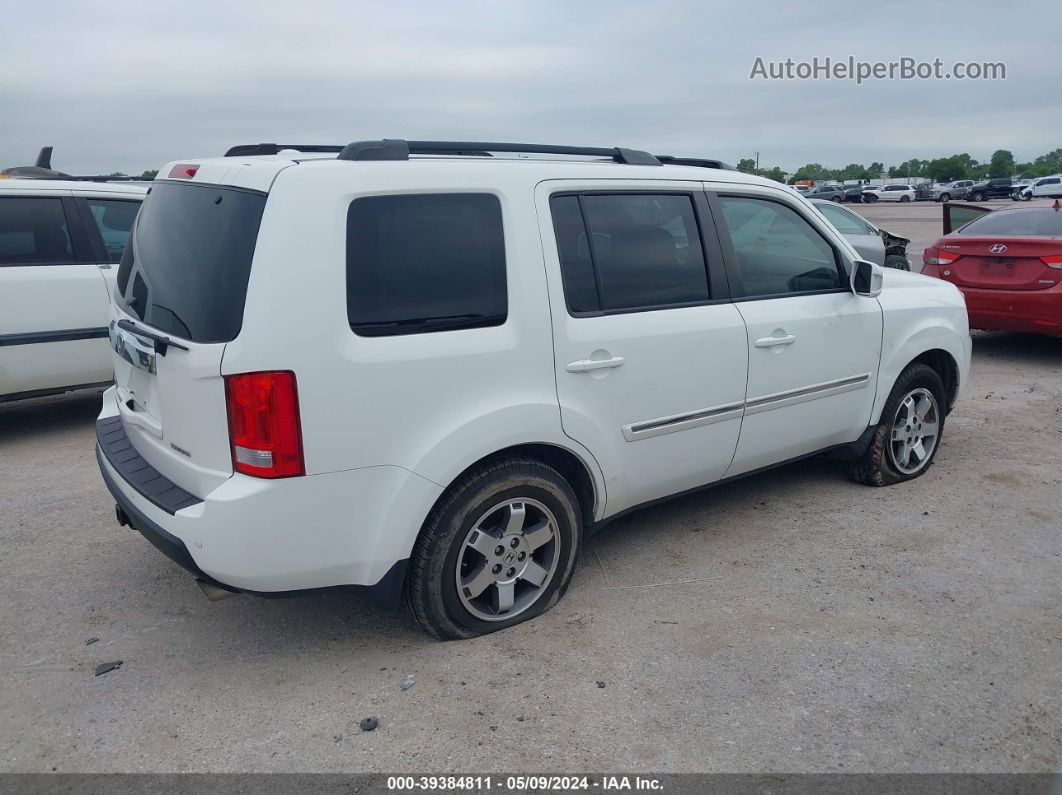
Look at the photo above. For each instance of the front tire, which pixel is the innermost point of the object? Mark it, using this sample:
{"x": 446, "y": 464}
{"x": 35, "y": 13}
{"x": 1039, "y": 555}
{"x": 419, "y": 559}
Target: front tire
{"x": 906, "y": 440}
{"x": 978, "y": 197}
{"x": 945, "y": 197}
{"x": 498, "y": 549}
{"x": 897, "y": 261}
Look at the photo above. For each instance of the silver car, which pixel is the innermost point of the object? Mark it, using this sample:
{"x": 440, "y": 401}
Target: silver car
{"x": 872, "y": 243}
{"x": 950, "y": 190}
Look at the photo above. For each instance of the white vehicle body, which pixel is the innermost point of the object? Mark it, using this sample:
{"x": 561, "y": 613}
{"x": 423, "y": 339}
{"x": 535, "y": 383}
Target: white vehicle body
{"x": 636, "y": 405}
{"x": 1043, "y": 188}
{"x": 892, "y": 193}
{"x": 57, "y": 266}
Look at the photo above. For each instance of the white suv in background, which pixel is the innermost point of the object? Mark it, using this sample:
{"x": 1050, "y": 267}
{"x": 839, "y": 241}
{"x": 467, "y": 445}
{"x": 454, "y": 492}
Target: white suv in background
{"x": 420, "y": 369}
{"x": 60, "y": 242}
{"x": 1042, "y": 188}
{"x": 890, "y": 193}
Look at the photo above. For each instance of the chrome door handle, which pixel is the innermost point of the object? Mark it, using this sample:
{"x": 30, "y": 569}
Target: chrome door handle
{"x": 770, "y": 342}
{"x": 586, "y": 365}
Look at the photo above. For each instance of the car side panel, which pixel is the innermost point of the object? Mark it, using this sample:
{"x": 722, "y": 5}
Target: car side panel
{"x": 917, "y": 320}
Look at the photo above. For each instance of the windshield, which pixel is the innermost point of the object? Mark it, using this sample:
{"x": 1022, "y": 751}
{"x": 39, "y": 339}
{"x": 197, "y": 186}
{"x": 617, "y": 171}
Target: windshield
{"x": 186, "y": 271}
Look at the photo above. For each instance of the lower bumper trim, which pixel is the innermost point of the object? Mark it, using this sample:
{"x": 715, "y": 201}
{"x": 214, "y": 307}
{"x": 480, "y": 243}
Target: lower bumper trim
{"x": 387, "y": 593}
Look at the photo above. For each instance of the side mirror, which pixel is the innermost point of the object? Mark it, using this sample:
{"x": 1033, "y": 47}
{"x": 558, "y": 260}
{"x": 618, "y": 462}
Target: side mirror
{"x": 867, "y": 278}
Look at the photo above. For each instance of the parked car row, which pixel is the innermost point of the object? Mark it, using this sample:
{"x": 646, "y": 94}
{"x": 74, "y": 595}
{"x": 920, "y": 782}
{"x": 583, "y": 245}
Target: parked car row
{"x": 859, "y": 193}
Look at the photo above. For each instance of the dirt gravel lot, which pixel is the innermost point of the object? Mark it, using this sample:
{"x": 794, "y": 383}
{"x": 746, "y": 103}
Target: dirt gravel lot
{"x": 827, "y": 626}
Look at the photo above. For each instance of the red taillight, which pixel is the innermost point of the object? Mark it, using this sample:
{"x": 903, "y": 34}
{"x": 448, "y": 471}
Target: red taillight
{"x": 934, "y": 256}
{"x": 184, "y": 170}
{"x": 1053, "y": 262}
{"x": 264, "y": 424}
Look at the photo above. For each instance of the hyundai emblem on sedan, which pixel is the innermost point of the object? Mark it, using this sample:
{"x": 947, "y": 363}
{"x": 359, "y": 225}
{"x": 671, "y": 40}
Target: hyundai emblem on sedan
{"x": 997, "y": 248}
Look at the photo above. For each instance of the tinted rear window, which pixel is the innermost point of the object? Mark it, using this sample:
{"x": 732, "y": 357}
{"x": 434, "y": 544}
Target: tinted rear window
{"x": 33, "y": 231}
{"x": 1042, "y": 221}
{"x": 186, "y": 272}
{"x": 425, "y": 263}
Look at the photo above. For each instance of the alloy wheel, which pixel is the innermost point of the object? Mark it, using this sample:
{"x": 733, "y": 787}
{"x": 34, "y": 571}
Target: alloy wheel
{"x": 915, "y": 431}
{"x": 508, "y": 559}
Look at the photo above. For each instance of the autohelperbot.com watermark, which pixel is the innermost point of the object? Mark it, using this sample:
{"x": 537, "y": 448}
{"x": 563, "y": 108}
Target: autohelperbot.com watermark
{"x": 904, "y": 68}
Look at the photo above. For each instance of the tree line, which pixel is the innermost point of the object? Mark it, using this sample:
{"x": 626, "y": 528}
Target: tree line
{"x": 941, "y": 169}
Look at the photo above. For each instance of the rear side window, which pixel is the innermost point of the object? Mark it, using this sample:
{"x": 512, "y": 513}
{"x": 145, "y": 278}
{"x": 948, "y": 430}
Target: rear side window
{"x": 626, "y": 252}
{"x": 424, "y": 263}
{"x": 778, "y": 252}
{"x": 186, "y": 271}
{"x": 114, "y": 218}
{"x": 33, "y": 231}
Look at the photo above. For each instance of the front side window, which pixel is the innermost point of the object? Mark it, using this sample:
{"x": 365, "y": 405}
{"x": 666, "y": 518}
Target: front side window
{"x": 424, "y": 263}
{"x": 778, "y": 252}
{"x": 114, "y": 218}
{"x": 33, "y": 231}
{"x": 631, "y": 251}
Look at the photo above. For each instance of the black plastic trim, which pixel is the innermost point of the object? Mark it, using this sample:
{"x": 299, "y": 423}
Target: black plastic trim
{"x": 57, "y": 390}
{"x": 399, "y": 149}
{"x": 160, "y": 491}
{"x": 60, "y": 335}
{"x": 249, "y": 150}
{"x": 386, "y": 593}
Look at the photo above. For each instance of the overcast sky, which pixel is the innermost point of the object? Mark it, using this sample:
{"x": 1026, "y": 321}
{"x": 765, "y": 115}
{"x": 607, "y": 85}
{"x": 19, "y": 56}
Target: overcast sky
{"x": 126, "y": 86}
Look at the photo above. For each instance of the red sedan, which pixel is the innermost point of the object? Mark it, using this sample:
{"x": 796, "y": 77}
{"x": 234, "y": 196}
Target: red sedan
{"x": 1007, "y": 262}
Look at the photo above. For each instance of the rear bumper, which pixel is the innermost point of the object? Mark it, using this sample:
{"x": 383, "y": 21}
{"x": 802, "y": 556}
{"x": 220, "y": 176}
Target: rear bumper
{"x": 1027, "y": 311}
{"x": 350, "y": 531}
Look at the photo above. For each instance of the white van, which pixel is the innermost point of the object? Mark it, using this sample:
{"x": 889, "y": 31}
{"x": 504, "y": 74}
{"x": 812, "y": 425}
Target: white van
{"x": 431, "y": 368}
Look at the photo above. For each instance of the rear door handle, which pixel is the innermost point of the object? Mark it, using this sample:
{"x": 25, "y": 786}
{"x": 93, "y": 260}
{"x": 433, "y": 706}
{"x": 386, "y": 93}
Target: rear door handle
{"x": 586, "y": 365}
{"x": 770, "y": 342}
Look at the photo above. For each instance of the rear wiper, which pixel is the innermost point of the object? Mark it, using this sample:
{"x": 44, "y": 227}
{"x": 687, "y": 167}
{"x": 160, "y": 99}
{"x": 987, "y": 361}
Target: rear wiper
{"x": 162, "y": 342}
{"x": 439, "y": 320}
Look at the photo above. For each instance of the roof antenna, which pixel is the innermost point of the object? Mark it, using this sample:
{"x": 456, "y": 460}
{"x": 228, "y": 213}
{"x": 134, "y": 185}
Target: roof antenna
{"x": 44, "y": 159}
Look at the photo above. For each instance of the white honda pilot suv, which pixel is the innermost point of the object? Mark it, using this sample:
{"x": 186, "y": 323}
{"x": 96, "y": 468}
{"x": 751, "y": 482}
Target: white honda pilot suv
{"x": 428, "y": 370}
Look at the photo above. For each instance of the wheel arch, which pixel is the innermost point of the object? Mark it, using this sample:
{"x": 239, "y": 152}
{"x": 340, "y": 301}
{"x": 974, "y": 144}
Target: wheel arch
{"x": 934, "y": 343}
{"x": 572, "y": 467}
{"x": 946, "y": 367}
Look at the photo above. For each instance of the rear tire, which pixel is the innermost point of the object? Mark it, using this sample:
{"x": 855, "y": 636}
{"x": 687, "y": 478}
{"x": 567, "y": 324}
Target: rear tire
{"x": 498, "y": 549}
{"x": 905, "y": 199}
{"x": 898, "y": 449}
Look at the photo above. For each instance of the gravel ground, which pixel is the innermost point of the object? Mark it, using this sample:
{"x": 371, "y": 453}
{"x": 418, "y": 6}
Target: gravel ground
{"x": 792, "y": 621}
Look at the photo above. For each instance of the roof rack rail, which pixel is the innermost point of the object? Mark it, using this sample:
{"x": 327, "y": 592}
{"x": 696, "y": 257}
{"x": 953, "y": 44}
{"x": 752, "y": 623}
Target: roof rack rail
{"x": 248, "y": 150}
{"x": 94, "y": 178}
{"x": 398, "y": 149}
{"x": 668, "y": 160}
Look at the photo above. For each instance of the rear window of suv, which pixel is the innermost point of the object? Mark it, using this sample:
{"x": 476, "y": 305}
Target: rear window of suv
{"x": 424, "y": 263}
{"x": 186, "y": 271}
